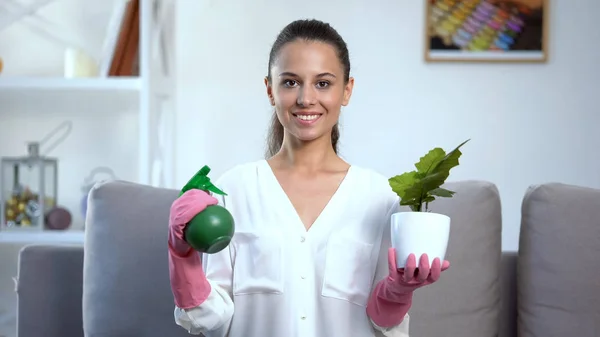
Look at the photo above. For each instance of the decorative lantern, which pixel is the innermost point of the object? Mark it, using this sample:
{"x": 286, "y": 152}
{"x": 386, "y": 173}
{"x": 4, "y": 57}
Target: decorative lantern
{"x": 29, "y": 187}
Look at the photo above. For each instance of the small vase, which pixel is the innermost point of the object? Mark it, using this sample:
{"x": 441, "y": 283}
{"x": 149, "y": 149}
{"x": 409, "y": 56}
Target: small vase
{"x": 419, "y": 233}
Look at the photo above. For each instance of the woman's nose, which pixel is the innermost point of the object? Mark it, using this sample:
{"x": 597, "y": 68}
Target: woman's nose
{"x": 306, "y": 96}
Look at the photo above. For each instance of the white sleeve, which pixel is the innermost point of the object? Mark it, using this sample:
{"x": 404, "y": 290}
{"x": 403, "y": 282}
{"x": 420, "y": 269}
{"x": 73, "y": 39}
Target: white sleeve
{"x": 400, "y": 330}
{"x": 213, "y": 317}
{"x": 381, "y": 272}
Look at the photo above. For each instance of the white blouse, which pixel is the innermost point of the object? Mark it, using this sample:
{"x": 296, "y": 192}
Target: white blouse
{"x": 278, "y": 279}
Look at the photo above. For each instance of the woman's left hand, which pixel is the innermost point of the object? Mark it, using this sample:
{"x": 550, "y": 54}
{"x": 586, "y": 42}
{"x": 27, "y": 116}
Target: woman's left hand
{"x": 392, "y": 297}
{"x": 413, "y": 275}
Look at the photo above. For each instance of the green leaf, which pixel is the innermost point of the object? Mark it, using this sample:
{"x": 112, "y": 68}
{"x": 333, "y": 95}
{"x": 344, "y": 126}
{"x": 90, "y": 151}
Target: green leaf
{"x": 428, "y": 198}
{"x": 400, "y": 183}
{"x": 442, "y": 192}
{"x": 449, "y": 161}
{"x": 420, "y": 187}
{"x": 407, "y": 202}
{"x": 403, "y": 186}
{"x": 430, "y": 160}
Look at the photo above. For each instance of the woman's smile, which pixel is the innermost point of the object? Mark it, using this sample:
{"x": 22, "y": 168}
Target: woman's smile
{"x": 307, "y": 118}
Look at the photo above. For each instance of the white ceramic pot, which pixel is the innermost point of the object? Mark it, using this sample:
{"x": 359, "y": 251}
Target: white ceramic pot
{"x": 419, "y": 233}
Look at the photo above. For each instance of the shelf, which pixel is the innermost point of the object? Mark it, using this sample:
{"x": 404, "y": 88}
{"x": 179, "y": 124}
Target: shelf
{"x": 65, "y": 94}
{"x": 49, "y": 237}
{"x": 115, "y": 84}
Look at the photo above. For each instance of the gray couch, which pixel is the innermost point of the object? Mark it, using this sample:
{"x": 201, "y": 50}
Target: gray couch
{"x": 120, "y": 286}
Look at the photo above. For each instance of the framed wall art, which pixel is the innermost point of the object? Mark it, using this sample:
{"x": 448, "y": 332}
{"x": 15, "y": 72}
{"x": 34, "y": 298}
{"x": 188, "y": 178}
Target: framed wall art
{"x": 486, "y": 30}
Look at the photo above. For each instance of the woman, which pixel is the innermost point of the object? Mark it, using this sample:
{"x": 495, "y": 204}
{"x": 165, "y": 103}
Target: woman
{"x": 311, "y": 255}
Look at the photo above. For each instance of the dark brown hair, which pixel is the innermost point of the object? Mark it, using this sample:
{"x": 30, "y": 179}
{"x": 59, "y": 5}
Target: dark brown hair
{"x": 308, "y": 30}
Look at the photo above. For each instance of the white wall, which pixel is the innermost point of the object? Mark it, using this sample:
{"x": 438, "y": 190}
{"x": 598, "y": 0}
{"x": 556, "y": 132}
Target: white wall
{"x": 529, "y": 124}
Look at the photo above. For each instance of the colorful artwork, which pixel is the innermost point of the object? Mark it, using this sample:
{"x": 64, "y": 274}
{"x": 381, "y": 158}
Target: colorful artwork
{"x": 486, "y": 30}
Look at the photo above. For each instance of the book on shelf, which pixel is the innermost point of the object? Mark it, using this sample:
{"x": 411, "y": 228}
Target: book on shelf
{"x": 121, "y": 45}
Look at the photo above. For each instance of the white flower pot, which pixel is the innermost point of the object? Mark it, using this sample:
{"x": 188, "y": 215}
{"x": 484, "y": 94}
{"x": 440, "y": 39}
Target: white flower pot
{"x": 419, "y": 233}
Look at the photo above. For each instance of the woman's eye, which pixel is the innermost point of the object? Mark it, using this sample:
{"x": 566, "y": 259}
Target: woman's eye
{"x": 322, "y": 84}
{"x": 289, "y": 83}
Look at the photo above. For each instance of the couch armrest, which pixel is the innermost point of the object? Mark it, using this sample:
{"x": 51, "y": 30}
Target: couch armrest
{"x": 49, "y": 290}
{"x": 508, "y": 298}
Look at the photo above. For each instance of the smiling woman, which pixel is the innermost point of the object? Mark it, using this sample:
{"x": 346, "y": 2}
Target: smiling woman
{"x": 311, "y": 255}
{"x": 308, "y": 77}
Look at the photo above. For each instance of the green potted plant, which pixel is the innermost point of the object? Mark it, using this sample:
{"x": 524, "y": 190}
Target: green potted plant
{"x": 420, "y": 231}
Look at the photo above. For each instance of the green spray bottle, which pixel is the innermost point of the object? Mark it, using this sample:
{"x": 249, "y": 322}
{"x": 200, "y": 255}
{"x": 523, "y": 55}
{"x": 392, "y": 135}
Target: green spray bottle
{"x": 211, "y": 230}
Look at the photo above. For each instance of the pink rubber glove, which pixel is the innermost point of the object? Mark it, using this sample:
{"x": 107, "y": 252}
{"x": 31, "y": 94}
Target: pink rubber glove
{"x": 188, "y": 282}
{"x": 392, "y": 297}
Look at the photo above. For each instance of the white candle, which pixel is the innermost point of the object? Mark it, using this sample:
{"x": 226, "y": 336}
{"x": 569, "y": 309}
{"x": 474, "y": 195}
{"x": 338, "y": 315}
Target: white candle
{"x": 79, "y": 64}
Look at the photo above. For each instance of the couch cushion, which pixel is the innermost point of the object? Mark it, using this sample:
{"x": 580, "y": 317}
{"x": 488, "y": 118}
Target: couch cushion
{"x": 559, "y": 262}
{"x": 126, "y": 277}
{"x": 49, "y": 290}
{"x": 466, "y": 300}
{"x": 9, "y": 257}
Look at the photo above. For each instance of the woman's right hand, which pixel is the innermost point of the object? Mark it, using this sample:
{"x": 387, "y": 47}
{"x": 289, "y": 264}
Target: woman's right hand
{"x": 188, "y": 283}
{"x": 183, "y": 209}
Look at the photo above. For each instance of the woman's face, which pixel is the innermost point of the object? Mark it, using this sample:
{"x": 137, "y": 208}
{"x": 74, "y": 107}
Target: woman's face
{"x": 308, "y": 89}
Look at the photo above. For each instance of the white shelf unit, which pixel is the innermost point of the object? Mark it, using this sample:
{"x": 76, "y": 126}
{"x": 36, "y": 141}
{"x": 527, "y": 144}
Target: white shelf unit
{"x": 150, "y": 95}
{"x": 58, "y": 85}
{"x": 46, "y": 237}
